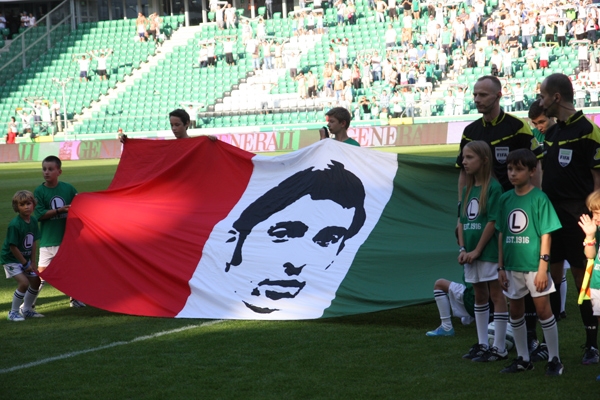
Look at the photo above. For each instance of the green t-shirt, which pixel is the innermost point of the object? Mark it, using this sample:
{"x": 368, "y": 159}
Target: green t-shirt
{"x": 474, "y": 222}
{"x": 53, "y": 229}
{"x": 352, "y": 142}
{"x": 523, "y": 220}
{"x": 446, "y": 37}
{"x": 21, "y": 234}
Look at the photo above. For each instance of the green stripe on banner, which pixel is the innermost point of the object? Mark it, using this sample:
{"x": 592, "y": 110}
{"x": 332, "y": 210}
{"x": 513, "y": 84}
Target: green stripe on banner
{"x": 418, "y": 223}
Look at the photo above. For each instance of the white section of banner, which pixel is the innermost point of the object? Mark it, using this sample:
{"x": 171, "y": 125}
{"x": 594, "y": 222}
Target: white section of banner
{"x": 283, "y": 255}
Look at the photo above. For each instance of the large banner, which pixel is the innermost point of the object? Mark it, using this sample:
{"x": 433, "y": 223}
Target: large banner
{"x": 201, "y": 229}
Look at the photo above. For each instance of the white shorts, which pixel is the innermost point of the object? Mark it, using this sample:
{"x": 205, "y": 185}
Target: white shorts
{"x": 14, "y": 269}
{"x": 455, "y": 294}
{"x": 595, "y": 297}
{"x": 521, "y": 283}
{"x": 481, "y": 271}
{"x": 46, "y": 255}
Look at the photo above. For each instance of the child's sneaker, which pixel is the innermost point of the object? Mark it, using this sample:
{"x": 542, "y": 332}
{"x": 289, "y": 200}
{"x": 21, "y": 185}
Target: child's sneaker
{"x": 440, "y": 331}
{"x": 15, "y": 316}
{"x": 30, "y": 313}
{"x": 554, "y": 367}
{"x": 476, "y": 351}
{"x": 540, "y": 353}
{"x": 492, "y": 355}
{"x": 518, "y": 365}
{"x": 590, "y": 356}
{"x": 77, "y": 304}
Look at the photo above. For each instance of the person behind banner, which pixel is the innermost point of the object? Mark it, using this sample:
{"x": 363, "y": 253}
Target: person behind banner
{"x": 592, "y": 237}
{"x": 53, "y": 199}
{"x": 524, "y": 225}
{"x": 180, "y": 122}
{"x": 19, "y": 257}
{"x": 338, "y": 122}
{"x": 301, "y": 249}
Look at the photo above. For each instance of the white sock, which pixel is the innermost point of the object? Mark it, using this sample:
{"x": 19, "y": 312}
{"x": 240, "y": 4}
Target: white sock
{"x": 563, "y": 292}
{"x": 17, "y": 301}
{"x": 500, "y": 324}
{"x": 551, "y": 335}
{"x": 520, "y": 335}
{"x": 30, "y": 297}
{"x": 482, "y": 318}
{"x": 443, "y": 305}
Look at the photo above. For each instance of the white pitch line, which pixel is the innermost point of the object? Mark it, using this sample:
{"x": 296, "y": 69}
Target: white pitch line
{"x": 108, "y": 346}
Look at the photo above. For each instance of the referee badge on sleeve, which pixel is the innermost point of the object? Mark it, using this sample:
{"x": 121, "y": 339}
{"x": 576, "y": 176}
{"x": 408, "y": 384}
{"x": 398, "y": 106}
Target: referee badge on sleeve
{"x": 564, "y": 157}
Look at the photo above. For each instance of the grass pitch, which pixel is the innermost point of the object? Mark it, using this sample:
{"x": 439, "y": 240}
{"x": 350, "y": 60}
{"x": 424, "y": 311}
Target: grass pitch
{"x": 93, "y": 354}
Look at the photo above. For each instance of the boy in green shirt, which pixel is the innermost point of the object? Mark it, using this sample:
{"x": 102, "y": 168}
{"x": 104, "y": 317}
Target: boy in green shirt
{"x": 19, "y": 257}
{"x": 524, "y": 223}
{"x": 53, "y": 202}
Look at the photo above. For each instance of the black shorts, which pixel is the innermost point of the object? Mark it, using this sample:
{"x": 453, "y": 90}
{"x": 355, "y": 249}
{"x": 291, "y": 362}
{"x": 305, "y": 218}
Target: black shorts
{"x": 101, "y": 72}
{"x": 567, "y": 242}
{"x": 229, "y": 58}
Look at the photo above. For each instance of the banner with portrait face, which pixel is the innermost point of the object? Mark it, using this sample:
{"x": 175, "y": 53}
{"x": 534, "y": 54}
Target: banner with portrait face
{"x": 200, "y": 229}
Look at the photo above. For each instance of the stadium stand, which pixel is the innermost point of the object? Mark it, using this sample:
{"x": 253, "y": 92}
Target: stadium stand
{"x": 145, "y": 82}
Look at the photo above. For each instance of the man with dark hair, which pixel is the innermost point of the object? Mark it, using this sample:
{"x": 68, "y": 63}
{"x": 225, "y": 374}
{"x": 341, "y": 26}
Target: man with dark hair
{"x": 571, "y": 173}
{"x": 540, "y": 121}
{"x": 338, "y": 122}
{"x": 278, "y": 219}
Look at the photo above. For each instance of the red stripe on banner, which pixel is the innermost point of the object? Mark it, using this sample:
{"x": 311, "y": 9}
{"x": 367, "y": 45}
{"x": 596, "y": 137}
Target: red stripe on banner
{"x": 142, "y": 238}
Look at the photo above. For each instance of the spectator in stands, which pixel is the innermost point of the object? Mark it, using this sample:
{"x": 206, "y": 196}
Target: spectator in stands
{"x": 561, "y": 33}
{"x": 311, "y": 83}
{"x": 365, "y": 104}
{"x": 544, "y": 54}
{"x": 480, "y": 58}
{"x": 593, "y": 90}
{"x": 507, "y": 98}
{"x": 318, "y": 19}
{"x": 519, "y": 97}
{"x": 409, "y": 101}
{"x": 246, "y": 32}
{"x": 459, "y": 32}
{"x": 459, "y": 101}
{"x": 220, "y": 16}
{"x": 254, "y": 49}
{"x": 343, "y": 51}
{"x": 530, "y": 57}
{"x": 390, "y": 36}
{"x": 13, "y": 131}
{"x": 396, "y": 102}
{"x": 26, "y": 120}
{"x": 425, "y": 105}
{"x": 140, "y": 24}
{"x": 2, "y": 22}
{"x": 55, "y": 115}
{"x": 507, "y": 63}
{"x": 366, "y": 73}
{"x": 338, "y": 87}
{"x": 193, "y": 113}
{"x": 380, "y": 8}
{"x": 269, "y": 7}
{"x": 230, "y": 16}
{"x": 496, "y": 62}
{"x": 582, "y": 56}
{"x": 392, "y": 10}
{"x": 407, "y": 31}
{"x": 203, "y": 56}
{"x": 578, "y": 29}
{"x": 376, "y": 66}
{"x": 228, "y": 50}
{"x": 331, "y": 58}
{"x": 449, "y": 103}
{"x": 84, "y": 66}
{"x": 527, "y": 32}
{"x": 101, "y": 60}
{"x": 580, "y": 93}
{"x": 267, "y": 55}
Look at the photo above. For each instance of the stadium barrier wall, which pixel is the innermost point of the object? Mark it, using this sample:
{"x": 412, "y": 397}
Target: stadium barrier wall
{"x": 400, "y": 132}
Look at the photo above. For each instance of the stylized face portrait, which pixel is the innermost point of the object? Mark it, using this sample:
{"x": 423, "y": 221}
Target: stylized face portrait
{"x": 280, "y": 247}
{"x": 285, "y": 248}
{"x": 299, "y": 251}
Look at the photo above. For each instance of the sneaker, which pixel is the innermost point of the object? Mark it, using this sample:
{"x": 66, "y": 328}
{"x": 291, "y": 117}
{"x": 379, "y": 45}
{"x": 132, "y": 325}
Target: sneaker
{"x": 476, "y": 351}
{"x": 440, "y": 331}
{"x": 554, "y": 367}
{"x": 77, "y": 304}
{"x": 467, "y": 320}
{"x": 30, "y": 313}
{"x": 15, "y": 316}
{"x": 492, "y": 355}
{"x": 518, "y": 365}
{"x": 590, "y": 356}
{"x": 539, "y": 354}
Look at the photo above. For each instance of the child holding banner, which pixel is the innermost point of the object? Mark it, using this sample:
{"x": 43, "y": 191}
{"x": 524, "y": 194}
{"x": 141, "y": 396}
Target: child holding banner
{"x": 19, "y": 256}
{"x": 478, "y": 250}
{"x": 591, "y": 280}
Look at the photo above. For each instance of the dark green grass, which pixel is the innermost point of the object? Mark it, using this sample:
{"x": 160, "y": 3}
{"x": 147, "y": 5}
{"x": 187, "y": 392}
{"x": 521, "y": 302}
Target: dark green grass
{"x": 383, "y": 355}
